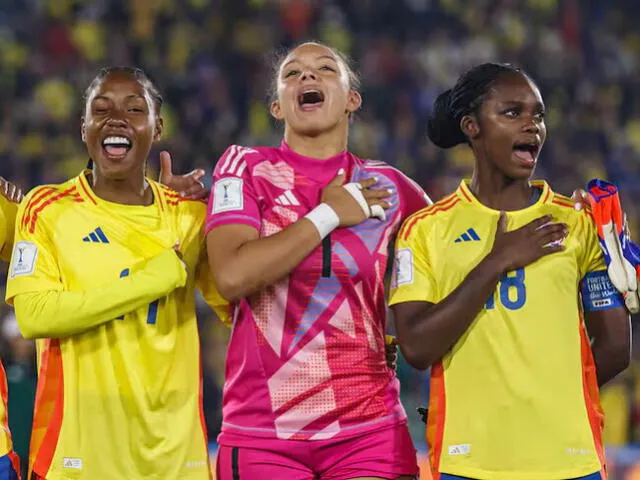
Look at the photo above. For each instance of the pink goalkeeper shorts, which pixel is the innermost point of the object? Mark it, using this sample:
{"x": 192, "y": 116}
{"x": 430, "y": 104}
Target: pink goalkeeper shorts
{"x": 387, "y": 453}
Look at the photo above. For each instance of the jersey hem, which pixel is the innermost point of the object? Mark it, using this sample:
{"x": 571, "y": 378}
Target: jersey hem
{"x": 252, "y": 433}
{"x": 520, "y": 475}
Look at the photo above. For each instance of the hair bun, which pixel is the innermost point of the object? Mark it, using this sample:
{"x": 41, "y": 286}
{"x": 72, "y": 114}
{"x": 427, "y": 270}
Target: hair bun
{"x": 443, "y": 128}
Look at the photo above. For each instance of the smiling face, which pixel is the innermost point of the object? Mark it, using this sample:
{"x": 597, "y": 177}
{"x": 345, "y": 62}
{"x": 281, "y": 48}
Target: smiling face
{"x": 120, "y": 125}
{"x": 314, "y": 91}
{"x": 509, "y": 130}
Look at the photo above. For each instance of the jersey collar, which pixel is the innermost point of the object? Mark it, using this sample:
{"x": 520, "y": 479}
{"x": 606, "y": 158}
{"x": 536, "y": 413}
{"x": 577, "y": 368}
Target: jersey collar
{"x": 465, "y": 194}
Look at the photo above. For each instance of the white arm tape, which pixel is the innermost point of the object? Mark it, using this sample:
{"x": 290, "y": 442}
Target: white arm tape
{"x": 376, "y": 211}
{"x": 355, "y": 189}
{"x": 324, "y": 218}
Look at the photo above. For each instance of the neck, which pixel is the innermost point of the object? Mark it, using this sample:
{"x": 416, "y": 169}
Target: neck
{"x": 325, "y": 145}
{"x": 498, "y": 192}
{"x": 133, "y": 190}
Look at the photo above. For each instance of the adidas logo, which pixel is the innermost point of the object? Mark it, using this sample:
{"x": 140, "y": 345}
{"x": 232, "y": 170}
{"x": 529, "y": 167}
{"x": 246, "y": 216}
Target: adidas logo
{"x": 469, "y": 236}
{"x": 97, "y": 236}
{"x": 287, "y": 198}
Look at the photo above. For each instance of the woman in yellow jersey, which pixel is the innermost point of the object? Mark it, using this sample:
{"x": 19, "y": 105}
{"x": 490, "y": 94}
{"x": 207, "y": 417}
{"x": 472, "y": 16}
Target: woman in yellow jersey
{"x": 104, "y": 271}
{"x": 10, "y": 196}
{"x": 501, "y": 288}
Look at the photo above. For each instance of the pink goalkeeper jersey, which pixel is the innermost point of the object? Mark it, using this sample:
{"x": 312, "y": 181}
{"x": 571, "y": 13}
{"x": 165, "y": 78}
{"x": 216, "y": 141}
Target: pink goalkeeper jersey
{"x": 306, "y": 359}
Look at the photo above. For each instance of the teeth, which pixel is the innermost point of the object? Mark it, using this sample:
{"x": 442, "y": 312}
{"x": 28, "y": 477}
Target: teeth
{"x": 116, "y": 141}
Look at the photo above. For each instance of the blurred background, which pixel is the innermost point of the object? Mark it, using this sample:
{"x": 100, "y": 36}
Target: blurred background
{"x": 211, "y": 61}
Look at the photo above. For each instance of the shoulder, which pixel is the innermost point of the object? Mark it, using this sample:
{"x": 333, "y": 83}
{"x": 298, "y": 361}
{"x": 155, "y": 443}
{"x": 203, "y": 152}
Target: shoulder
{"x": 237, "y": 159}
{"x": 402, "y": 181}
{"x": 48, "y": 201}
{"x": 564, "y": 208}
{"x": 175, "y": 204}
{"x": 441, "y": 209}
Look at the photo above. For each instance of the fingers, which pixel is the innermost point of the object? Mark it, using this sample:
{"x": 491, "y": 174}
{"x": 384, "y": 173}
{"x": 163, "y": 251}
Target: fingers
{"x": 197, "y": 174}
{"x": 165, "y": 167}
{"x": 368, "y": 182}
{"x": 552, "y": 233}
{"x": 374, "y": 194}
{"x": 538, "y": 223}
{"x": 502, "y": 223}
{"x": 338, "y": 179}
{"x": 196, "y": 191}
{"x": 580, "y": 198}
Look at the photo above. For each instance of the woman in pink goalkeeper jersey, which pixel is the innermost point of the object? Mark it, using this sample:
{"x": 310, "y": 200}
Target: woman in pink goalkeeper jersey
{"x": 297, "y": 238}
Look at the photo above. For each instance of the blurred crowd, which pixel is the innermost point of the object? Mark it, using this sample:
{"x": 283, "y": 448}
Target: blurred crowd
{"x": 211, "y": 60}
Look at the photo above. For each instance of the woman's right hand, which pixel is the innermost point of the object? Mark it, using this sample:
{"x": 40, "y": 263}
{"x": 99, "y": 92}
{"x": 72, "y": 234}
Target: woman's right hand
{"x": 346, "y": 207}
{"x": 523, "y": 246}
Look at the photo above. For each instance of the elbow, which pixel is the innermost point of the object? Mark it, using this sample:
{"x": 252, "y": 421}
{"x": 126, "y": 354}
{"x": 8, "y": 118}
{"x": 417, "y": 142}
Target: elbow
{"x": 623, "y": 358}
{"x": 231, "y": 287}
{"x": 417, "y": 357}
{"x": 29, "y": 329}
{"x": 31, "y": 324}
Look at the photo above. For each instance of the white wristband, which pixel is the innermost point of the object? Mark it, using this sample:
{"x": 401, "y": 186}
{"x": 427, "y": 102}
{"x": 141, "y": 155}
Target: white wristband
{"x": 324, "y": 218}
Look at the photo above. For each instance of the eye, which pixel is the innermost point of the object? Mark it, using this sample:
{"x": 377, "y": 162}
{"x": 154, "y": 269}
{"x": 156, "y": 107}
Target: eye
{"x": 327, "y": 68}
{"x": 540, "y": 115}
{"x": 511, "y": 113}
{"x": 136, "y": 110}
{"x": 291, "y": 73}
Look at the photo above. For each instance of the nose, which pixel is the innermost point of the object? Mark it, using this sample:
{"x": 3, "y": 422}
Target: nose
{"x": 531, "y": 126}
{"x": 117, "y": 119}
{"x": 307, "y": 74}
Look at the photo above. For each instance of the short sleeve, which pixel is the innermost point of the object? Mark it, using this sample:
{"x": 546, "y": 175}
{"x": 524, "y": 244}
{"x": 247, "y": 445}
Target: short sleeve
{"x": 591, "y": 258}
{"x": 233, "y": 199}
{"x": 412, "y": 278}
{"x": 33, "y": 266}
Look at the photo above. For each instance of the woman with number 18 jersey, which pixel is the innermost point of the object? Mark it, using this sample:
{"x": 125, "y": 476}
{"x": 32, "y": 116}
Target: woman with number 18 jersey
{"x": 502, "y": 289}
{"x": 104, "y": 271}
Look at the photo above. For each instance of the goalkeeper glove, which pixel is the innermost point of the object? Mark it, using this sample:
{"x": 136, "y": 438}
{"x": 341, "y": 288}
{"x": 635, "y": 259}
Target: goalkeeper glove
{"x": 621, "y": 255}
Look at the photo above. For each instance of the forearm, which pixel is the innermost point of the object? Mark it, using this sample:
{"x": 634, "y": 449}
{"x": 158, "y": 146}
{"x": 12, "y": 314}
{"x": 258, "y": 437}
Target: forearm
{"x": 610, "y": 359}
{"x": 53, "y": 313}
{"x": 429, "y": 333}
{"x": 263, "y": 261}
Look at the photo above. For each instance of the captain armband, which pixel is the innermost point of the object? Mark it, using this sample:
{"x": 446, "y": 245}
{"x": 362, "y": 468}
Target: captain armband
{"x": 598, "y": 293}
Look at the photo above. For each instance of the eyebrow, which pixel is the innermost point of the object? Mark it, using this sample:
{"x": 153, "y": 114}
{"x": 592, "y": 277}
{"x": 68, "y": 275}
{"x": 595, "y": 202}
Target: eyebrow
{"x": 128, "y": 97}
{"x": 519, "y": 103}
{"x": 327, "y": 57}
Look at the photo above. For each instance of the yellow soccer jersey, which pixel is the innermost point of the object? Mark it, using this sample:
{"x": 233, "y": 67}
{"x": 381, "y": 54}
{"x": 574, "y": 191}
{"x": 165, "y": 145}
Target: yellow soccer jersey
{"x": 7, "y": 219}
{"x": 121, "y": 400}
{"x": 519, "y": 386}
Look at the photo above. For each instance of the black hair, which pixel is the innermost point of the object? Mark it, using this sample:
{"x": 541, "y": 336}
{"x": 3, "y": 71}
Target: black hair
{"x": 135, "y": 73}
{"x": 465, "y": 98}
{"x": 280, "y": 56}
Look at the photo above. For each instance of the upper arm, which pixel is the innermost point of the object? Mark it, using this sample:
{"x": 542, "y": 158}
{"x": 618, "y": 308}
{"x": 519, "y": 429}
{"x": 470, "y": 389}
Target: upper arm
{"x": 233, "y": 199}
{"x": 611, "y": 328}
{"x": 413, "y": 286}
{"x": 8, "y": 214}
{"x": 412, "y": 278}
{"x": 207, "y": 286}
{"x": 34, "y": 266}
{"x": 224, "y": 241}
